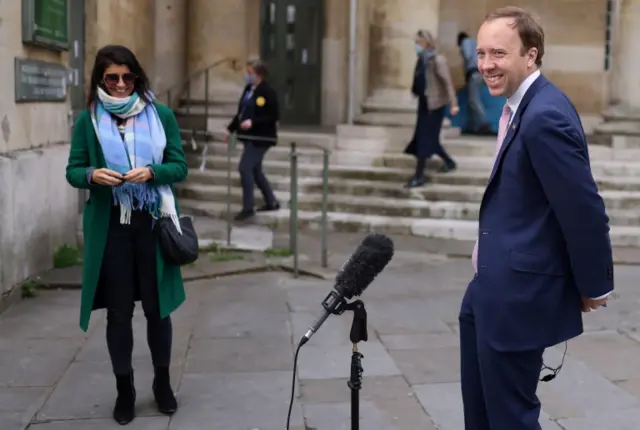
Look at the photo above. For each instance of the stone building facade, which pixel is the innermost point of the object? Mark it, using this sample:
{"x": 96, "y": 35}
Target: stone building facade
{"x": 588, "y": 48}
{"x": 312, "y": 46}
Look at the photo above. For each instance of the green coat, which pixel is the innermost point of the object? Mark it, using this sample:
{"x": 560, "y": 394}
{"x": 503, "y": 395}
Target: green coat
{"x": 85, "y": 153}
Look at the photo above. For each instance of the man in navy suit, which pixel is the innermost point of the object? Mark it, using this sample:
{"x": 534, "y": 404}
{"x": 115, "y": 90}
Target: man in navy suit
{"x": 543, "y": 253}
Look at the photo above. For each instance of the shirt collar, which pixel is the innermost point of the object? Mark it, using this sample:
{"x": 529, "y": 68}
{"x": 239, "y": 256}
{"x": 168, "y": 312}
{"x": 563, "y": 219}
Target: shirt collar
{"x": 516, "y": 98}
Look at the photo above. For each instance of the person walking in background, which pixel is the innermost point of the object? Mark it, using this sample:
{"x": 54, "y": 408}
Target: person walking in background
{"x": 433, "y": 86}
{"x": 127, "y": 151}
{"x": 477, "y": 120}
{"x": 543, "y": 252}
{"x": 257, "y": 124}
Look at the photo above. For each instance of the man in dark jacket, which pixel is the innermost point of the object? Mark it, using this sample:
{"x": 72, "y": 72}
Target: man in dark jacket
{"x": 256, "y": 125}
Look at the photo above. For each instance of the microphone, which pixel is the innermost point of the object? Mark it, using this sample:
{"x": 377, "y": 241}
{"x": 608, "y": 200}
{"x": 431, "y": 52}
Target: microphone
{"x": 366, "y": 262}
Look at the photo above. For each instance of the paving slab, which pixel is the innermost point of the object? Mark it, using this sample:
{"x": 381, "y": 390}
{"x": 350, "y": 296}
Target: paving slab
{"x": 229, "y": 355}
{"x": 229, "y": 401}
{"x": 234, "y": 342}
{"x": 88, "y": 390}
{"x": 392, "y": 397}
{"x": 619, "y": 420}
{"x": 140, "y": 423}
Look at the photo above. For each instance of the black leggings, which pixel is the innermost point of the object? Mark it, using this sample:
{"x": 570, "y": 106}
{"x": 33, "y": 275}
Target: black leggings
{"x": 421, "y": 163}
{"x": 129, "y": 274}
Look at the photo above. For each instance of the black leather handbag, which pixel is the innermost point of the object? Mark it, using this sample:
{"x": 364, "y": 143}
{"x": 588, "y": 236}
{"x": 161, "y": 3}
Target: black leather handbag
{"x": 178, "y": 249}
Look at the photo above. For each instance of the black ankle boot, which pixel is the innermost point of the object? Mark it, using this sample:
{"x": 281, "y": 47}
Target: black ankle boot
{"x": 167, "y": 403}
{"x": 124, "y": 410}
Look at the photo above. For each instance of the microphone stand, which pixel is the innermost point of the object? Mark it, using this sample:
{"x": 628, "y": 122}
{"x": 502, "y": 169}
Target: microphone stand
{"x": 358, "y": 333}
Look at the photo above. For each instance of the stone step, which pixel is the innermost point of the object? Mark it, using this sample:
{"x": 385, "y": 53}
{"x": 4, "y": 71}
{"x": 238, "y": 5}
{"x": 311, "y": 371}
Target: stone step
{"x": 456, "y": 147}
{"x": 415, "y": 206}
{"x": 443, "y": 229}
{"x": 395, "y": 139}
{"x": 390, "y": 106}
{"x": 601, "y": 166}
{"x": 471, "y": 171}
{"x": 215, "y": 110}
{"x": 614, "y": 199}
{"x": 306, "y": 143}
{"x": 404, "y": 120}
{"x": 343, "y": 203}
{"x": 271, "y": 167}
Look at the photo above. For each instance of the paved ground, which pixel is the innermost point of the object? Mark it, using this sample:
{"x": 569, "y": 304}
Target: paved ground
{"x": 233, "y": 358}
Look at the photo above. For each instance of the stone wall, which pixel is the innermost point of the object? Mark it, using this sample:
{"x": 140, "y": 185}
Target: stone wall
{"x": 575, "y": 43}
{"x": 37, "y": 208}
{"x": 394, "y": 24}
{"x": 155, "y": 30}
{"x": 230, "y": 29}
{"x": 624, "y": 79}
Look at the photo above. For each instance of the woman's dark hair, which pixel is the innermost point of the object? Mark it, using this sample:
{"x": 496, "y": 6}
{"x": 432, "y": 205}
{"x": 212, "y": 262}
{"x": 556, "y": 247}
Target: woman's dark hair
{"x": 461, "y": 36}
{"x": 121, "y": 56}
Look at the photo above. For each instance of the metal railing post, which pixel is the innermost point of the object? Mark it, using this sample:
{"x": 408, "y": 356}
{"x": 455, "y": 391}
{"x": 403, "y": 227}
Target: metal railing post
{"x": 189, "y": 97}
{"x": 325, "y": 208}
{"x": 206, "y": 100}
{"x": 231, "y": 143}
{"x": 293, "y": 209}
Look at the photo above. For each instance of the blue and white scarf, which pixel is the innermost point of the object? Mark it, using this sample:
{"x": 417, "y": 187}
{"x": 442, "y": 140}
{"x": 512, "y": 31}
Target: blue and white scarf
{"x": 144, "y": 144}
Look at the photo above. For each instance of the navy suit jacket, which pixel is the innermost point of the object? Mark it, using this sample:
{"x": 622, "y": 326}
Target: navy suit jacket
{"x": 543, "y": 230}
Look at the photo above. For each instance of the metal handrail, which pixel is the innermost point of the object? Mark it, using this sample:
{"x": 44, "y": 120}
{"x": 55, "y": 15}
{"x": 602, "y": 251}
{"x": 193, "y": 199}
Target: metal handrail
{"x": 293, "y": 205}
{"x": 215, "y": 134}
{"x": 187, "y": 82}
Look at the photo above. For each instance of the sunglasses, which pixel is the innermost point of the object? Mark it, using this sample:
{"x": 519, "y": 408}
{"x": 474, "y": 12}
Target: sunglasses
{"x": 112, "y": 79}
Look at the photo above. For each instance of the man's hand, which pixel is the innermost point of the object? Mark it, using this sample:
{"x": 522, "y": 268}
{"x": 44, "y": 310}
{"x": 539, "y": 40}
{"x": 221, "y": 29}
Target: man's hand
{"x": 592, "y": 304}
{"x": 106, "y": 177}
{"x": 246, "y": 124}
{"x": 138, "y": 175}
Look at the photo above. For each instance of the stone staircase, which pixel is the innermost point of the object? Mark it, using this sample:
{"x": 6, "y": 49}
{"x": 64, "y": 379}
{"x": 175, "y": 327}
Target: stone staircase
{"x": 367, "y": 176}
{"x": 372, "y": 198}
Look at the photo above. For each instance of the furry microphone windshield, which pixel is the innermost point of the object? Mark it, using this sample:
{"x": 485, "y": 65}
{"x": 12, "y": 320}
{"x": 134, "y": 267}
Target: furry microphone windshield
{"x": 367, "y": 261}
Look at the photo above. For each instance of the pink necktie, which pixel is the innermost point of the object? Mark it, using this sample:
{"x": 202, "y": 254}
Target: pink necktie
{"x": 502, "y": 131}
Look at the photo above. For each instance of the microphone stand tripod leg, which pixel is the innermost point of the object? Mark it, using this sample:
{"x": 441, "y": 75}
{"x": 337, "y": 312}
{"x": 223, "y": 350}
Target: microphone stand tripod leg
{"x": 355, "y": 383}
{"x": 358, "y": 334}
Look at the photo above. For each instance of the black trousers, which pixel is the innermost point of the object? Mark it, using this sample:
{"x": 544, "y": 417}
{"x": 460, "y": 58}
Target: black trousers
{"x": 250, "y": 168}
{"x": 129, "y": 274}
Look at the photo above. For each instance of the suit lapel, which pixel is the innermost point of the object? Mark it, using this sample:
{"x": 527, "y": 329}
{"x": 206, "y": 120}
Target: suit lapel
{"x": 515, "y": 123}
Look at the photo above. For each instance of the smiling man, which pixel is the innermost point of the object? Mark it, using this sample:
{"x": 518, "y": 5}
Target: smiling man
{"x": 543, "y": 252}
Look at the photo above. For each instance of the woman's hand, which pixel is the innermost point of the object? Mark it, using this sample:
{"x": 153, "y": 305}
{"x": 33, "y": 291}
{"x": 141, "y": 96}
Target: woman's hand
{"x": 138, "y": 175}
{"x": 246, "y": 124}
{"x": 106, "y": 177}
{"x": 454, "y": 110}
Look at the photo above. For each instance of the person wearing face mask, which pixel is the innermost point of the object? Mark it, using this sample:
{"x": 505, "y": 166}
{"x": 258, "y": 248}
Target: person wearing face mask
{"x": 256, "y": 123}
{"x": 433, "y": 86}
{"x": 477, "y": 123}
{"x": 126, "y": 150}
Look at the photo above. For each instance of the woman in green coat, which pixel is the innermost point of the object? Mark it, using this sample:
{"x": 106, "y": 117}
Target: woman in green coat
{"x": 127, "y": 151}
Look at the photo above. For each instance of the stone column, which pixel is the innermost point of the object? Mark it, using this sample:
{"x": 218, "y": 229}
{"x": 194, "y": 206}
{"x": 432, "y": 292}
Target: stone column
{"x": 394, "y": 24}
{"x": 170, "y": 43}
{"x": 217, "y": 30}
{"x": 625, "y": 79}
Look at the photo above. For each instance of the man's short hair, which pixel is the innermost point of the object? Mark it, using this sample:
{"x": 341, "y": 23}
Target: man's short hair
{"x": 530, "y": 31}
{"x": 258, "y": 66}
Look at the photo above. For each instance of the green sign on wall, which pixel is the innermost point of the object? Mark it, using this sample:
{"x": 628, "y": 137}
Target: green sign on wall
{"x": 46, "y": 23}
